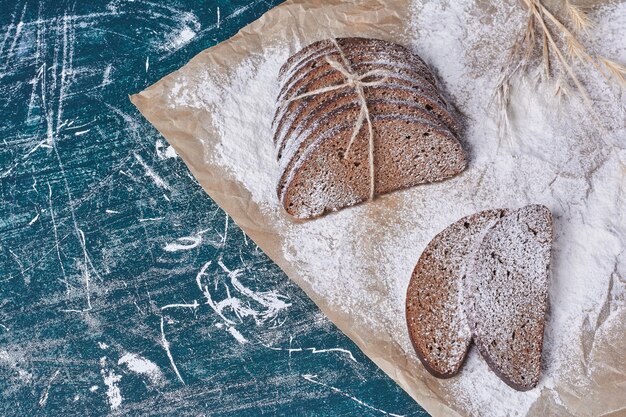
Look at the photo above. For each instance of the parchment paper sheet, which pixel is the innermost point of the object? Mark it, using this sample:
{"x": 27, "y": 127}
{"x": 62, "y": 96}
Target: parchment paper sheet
{"x": 303, "y": 22}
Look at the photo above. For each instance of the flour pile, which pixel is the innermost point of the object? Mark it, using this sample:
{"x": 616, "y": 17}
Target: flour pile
{"x": 360, "y": 260}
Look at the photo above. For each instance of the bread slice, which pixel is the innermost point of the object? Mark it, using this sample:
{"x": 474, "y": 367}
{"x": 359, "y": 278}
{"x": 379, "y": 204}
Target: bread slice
{"x": 352, "y": 47}
{"x": 326, "y": 102}
{"x": 506, "y": 294}
{"x": 435, "y": 315}
{"x": 360, "y": 63}
{"x": 319, "y": 116}
{"x": 296, "y": 150}
{"x": 404, "y": 77}
{"x": 407, "y": 151}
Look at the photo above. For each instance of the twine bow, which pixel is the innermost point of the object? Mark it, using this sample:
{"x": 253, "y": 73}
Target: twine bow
{"x": 354, "y": 80}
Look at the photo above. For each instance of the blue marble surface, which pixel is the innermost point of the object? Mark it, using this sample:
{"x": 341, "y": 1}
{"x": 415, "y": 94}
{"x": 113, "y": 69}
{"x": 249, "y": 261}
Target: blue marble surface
{"x": 101, "y": 311}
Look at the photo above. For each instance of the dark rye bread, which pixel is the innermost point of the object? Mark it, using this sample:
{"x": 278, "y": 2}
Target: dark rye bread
{"x": 407, "y": 151}
{"x": 413, "y": 131}
{"x": 389, "y": 92}
{"x": 291, "y": 111}
{"x": 314, "y": 51}
{"x": 408, "y": 78}
{"x": 307, "y": 109}
{"x": 324, "y": 75}
{"x": 316, "y": 117}
{"x": 296, "y": 150}
{"x": 358, "y": 62}
{"x": 383, "y": 49}
{"x": 507, "y": 294}
{"x": 435, "y": 316}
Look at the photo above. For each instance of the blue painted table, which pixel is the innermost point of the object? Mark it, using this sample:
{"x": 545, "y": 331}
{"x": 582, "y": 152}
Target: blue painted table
{"x": 96, "y": 314}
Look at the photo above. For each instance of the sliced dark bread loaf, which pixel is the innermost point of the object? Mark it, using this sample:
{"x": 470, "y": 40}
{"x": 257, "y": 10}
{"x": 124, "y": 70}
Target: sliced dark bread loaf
{"x": 434, "y": 302}
{"x": 506, "y": 294}
{"x": 413, "y": 139}
{"x": 407, "y": 151}
{"x": 325, "y": 75}
{"x": 296, "y": 150}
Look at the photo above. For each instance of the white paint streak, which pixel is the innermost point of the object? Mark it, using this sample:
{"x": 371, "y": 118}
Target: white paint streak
{"x": 205, "y": 290}
{"x": 271, "y": 300}
{"x": 85, "y": 268}
{"x": 237, "y": 335}
{"x": 66, "y": 68}
{"x": 166, "y": 346}
{"x": 313, "y": 350}
{"x": 114, "y": 394}
{"x": 16, "y": 36}
{"x": 142, "y": 366}
{"x": 217, "y": 308}
{"x": 150, "y": 172}
{"x": 165, "y": 151}
{"x": 183, "y": 243}
{"x": 34, "y": 219}
{"x": 57, "y": 242}
{"x": 312, "y": 378}
{"x": 347, "y": 352}
{"x": 150, "y": 219}
{"x": 19, "y": 263}
{"x": 44, "y": 396}
{"x": 241, "y": 10}
{"x": 106, "y": 75}
{"x": 225, "y": 229}
{"x": 181, "y": 39}
{"x": 194, "y": 305}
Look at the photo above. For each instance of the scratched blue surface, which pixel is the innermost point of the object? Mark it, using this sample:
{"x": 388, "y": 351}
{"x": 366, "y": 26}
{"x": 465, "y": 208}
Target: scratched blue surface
{"x": 123, "y": 288}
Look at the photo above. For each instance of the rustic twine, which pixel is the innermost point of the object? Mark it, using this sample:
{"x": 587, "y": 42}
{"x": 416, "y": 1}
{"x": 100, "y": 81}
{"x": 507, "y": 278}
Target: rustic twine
{"x": 354, "y": 80}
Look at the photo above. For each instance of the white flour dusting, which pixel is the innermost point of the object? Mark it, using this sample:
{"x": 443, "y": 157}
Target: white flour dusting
{"x": 252, "y": 88}
{"x": 142, "y": 366}
{"x": 111, "y": 380}
{"x": 555, "y": 158}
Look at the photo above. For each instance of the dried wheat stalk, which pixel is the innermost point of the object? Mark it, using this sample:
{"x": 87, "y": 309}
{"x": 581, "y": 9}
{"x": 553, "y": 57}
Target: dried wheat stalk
{"x": 558, "y": 41}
